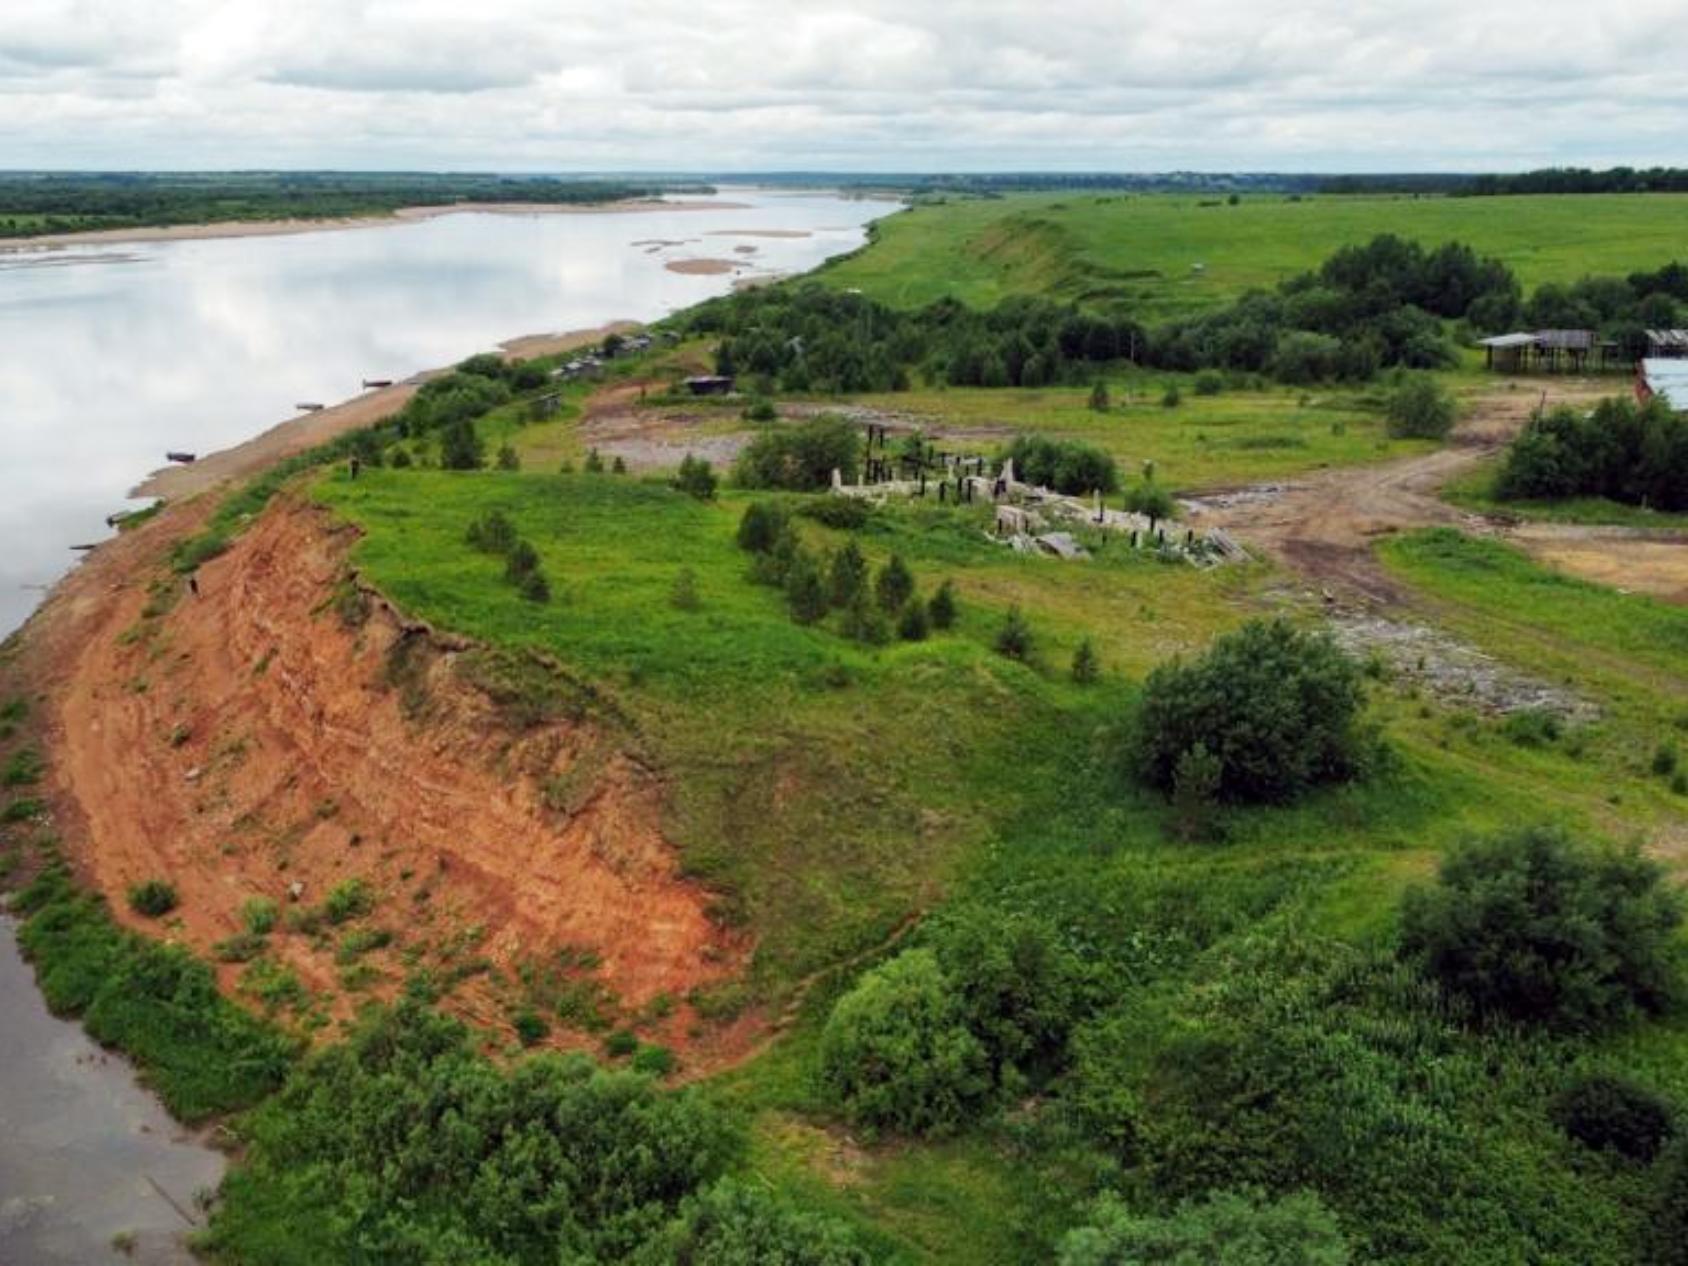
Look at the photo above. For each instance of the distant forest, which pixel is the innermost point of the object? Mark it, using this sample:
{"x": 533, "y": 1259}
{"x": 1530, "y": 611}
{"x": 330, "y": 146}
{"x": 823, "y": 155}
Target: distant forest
{"x": 1451, "y": 184}
{"x": 33, "y": 203}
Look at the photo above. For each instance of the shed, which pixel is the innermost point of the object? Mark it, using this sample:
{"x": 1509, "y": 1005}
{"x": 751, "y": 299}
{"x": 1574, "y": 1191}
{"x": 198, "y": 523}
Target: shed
{"x": 1664, "y": 377}
{"x": 710, "y": 384}
{"x": 1667, "y": 344}
{"x": 1507, "y": 352}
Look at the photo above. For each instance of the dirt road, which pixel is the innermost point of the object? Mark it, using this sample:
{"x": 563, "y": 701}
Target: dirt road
{"x": 1324, "y": 524}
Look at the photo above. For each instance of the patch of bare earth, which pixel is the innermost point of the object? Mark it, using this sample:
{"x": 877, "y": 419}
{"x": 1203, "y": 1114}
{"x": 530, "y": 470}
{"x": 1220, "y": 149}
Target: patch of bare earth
{"x": 285, "y": 731}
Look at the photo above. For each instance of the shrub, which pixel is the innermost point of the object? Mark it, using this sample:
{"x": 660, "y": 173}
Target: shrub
{"x": 154, "y": 898}
{"x": 1209, "y": 383}
{"x": 1086, "y": 667}
{"x": 550, "y": 1159}
{"x": 1173, "y": 397}
{"x": 1151, "y": 500}
{"x": 847, "y": 514}
{"x": 896, "y": 1053}
{"x": 847, "y": 575}
{"x": 760, "y": 526}
{"x": 492, "y": 533}
{"x": 805, "y": 591}
{"x": 1196, "y": 781}
{"x": 347, "y": 900}
{"x": 1067, "y": 466}
{"x": 653, "y": 1061}
{"x": 621, "y": 1043}
{"x": 684, "y": 595}
{"x": 461, "y": 448}
{"x": 594, "y": 463}
{"x": 1419, "y": 408}
{"x": 894, "y": 585}
{"x": 736, "y": 1224}
{"x": 760, "y": 411}
{"x": 534, "y": 586}
{"x": 259, "y": 914}
{"x": 696, "y": 478}
{"x": 1231, "y": 1228}
{"x": 1531, "y": 926}
{"x": 800, "y": 458}
{"x": 1637, "y": 454}
{"x": 863, "y": 622}
{"x": 1610, "y": 1113}
{"x": 941, "y": 610}
{"x": 521, "y": 560}
{"x": 619, "y": 465}
{"x": 913, "y": 626}
{"x": 530, "y": 1027}
{"x": 1014, "y": 638}
{"x": 1669, "y": 1230}
{"x": 1278, "y": 709}
{"x": 1099, "y": 398}
{"x": 507, "y": 458}
{"x": 1664, "y": 759}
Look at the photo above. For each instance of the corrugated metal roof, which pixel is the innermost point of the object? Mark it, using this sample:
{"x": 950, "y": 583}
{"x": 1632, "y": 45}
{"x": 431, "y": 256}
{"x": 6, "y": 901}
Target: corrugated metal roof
{"x": 1508, "y": 340}
{"x": 1569, "y": 340}
{"x": 1667, "y": 379}
{"x": 1668, "y": 338}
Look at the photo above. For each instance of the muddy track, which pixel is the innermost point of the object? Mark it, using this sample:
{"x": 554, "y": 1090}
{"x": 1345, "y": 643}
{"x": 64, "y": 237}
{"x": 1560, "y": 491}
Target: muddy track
{"x": 1324, "y": 525}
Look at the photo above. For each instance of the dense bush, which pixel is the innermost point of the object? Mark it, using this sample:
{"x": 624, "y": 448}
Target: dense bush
{"x": 696, "y": 478}
{"x": 897, "y": 1054}
{"x": 1668, "y": 1234}
{"x": 1603, "y": 1111}
{"x": 736, "y": 1224}
{"x": 1627, "y": 452}
{"x": 1532, "y": 926}
{"x": 1067, "y": 466}
{"x": 1227, "y": 1229}
{"x": 156, "y": 1003}
{"x": 941, "y": 610}
{"x": 1419, "y": 407}
{"x": 760, "y": 526}
{"x": 154, "y": 898}
{"x": 404, "y": 1144}
{"x": 800, "y": 458}
{"x": 1278, "y": 708}
{"x": 894, "y": 585}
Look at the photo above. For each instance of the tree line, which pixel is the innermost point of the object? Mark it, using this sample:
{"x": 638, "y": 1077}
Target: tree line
{"x": 1384, "y": 304}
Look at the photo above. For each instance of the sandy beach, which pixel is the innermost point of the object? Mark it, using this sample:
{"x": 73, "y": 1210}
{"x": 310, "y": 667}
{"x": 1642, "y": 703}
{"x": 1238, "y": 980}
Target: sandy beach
{"x": 277, "y": 228}
{"x": 175, "y": 483}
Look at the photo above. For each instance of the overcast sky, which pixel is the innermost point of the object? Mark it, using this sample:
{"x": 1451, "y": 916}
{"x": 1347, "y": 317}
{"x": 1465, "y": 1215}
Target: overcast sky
{"x": 560, "y": 85}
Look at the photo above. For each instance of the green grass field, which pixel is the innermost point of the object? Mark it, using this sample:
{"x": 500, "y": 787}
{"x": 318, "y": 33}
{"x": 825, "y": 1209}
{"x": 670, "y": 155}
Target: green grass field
{"x": 1143, "y": 250}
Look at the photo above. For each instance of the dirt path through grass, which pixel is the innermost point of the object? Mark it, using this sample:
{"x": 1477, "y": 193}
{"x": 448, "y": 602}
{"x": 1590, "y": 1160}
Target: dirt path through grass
{"x": 1323, "y": 526}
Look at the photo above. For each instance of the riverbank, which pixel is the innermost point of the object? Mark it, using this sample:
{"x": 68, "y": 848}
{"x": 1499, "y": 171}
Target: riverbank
{"x": 308, "y": 430}
{"x": 279, "y": 228}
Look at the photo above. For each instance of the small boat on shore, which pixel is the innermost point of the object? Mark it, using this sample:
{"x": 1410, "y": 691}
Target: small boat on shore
{"x": 184, "y": 458}
{"x": 377, "y": 382}
{"x": 310, "y": 406}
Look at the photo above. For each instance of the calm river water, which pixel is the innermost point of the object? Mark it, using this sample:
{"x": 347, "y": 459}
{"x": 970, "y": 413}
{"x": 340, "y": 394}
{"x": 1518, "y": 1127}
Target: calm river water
{"x": 112, "y": 354}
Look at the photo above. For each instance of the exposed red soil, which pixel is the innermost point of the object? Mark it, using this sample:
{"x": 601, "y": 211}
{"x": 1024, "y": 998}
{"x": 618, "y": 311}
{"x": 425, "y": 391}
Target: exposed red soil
{"x": 248, "y": 738}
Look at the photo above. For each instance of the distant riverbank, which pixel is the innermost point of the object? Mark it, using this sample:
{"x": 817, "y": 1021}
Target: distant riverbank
{"x": 308, "y": 430}
{"x": 276, "y": 228}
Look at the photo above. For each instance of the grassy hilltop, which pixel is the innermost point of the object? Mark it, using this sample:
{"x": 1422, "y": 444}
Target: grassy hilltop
{"x": 1141, "y": 249}
{"x": 1104, "y": 1002}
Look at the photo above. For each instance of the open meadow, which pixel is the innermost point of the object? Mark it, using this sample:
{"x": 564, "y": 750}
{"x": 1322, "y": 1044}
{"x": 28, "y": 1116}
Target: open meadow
{"x": 1166, "y": 255}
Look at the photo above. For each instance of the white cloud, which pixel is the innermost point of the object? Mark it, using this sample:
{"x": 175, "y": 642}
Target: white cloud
{"x": 865, "y": 84}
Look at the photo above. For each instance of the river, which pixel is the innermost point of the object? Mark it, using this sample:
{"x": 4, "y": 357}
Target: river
{"x": 112, "y": 354}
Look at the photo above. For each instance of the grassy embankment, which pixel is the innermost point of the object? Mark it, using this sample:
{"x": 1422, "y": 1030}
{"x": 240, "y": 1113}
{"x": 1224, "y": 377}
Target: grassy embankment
{"x": 1475, "y": 491}
{"x": 1141, "y": 251}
